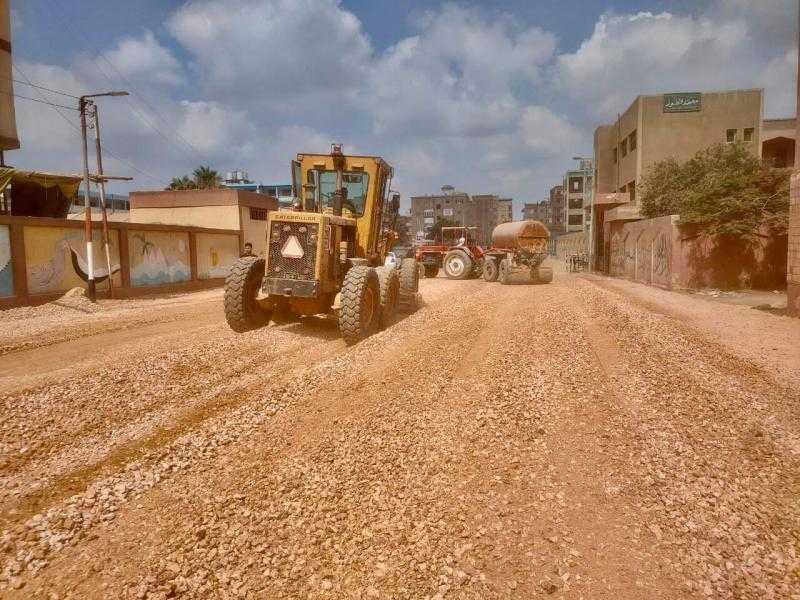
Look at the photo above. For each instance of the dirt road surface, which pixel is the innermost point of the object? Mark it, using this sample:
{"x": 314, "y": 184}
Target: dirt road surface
{"x": 591, "y": 438}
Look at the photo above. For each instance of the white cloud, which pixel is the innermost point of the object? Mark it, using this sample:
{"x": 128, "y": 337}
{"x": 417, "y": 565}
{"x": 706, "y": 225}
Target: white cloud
{"x": 274, "y": 53}
{"x": 627, "y": 55}
{"x": 145, "y": 59}
{"x": 211, "y": 127}
{"x": 548, "y": 134}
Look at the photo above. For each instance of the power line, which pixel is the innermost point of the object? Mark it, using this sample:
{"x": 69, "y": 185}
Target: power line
{"x": 134, "y": 110}
{"x": 55, "y": 107}
{"x": 40, "y": 87}
{"x": 21, "y": 97}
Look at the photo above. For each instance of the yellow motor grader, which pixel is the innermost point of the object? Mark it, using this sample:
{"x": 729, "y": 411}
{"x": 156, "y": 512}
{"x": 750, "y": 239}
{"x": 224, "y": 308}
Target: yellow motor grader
{"x": 327, "y": 255}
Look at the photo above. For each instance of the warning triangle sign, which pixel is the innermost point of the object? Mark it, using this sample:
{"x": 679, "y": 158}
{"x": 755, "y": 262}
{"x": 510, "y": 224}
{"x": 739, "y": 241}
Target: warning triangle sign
{"x": 292, "y": 248}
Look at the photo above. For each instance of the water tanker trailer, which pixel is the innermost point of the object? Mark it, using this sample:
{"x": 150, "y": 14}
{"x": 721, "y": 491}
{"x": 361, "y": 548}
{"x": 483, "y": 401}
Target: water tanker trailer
{"x": 515, "y": 246}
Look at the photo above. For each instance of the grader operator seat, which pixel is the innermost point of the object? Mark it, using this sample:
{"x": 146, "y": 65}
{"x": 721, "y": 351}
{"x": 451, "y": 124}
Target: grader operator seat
{"x": 327, "y": 255}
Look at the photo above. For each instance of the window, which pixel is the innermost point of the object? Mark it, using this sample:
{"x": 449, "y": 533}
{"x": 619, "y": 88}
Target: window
{"x": 576, "y": 203}
{"x": 576, "y": 219}
{"x": 615, "y": 156}
{"x": 438, "y": 207}
{"x": 632, "y": 140}
{"x": 447, "y": 212}
{"x": 748, "y": 134}
{"x": 258, "y": 214}
{"x": 575, "y": 184}
{"x": 730, "y": 136}
{"x": 624, "y": 147}
{"x": 355, "y": 184}
{"x": 428, "y": 212}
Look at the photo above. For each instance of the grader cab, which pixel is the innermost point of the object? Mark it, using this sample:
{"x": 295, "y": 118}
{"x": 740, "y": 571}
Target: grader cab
{"x": 327, "y": 255}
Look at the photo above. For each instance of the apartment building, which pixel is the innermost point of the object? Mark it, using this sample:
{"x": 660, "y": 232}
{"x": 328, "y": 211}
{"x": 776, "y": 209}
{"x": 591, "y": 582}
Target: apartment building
{"x": 483, "y": 211}
{"x": 537, "y": 211}
{"x": 577, "y": 193}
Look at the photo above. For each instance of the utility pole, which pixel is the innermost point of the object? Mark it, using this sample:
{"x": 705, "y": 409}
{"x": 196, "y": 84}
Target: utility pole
{"x": 87, "y": 228}
{"x": 83, "y": 104}
{"x": 101, "y": 185}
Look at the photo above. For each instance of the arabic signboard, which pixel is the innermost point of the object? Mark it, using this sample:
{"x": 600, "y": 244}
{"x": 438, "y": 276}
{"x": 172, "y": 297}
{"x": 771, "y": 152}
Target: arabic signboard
{"x": 685, "y": 102}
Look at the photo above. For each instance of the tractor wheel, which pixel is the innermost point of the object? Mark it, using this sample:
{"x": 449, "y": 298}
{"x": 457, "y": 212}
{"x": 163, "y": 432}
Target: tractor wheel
{"x": 542, "y": 275}
{"x": 490, "y": 269}
{"x": 504, "y": 274}
{"x": 242, "y": 310}
{"x": 389, "y": 283}
{"x": 457, "y": 265}
{"x": 409, "y": 284}
{"x": 431, "y": 271}
{"x": 360, "y": 312}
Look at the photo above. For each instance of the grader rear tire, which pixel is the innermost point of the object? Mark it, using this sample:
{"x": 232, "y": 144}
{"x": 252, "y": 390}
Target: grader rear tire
{"x": 360, "y": 312}
{"x": 409, "y": 284}
{"x": 242, "y": 310}
{"x": 490, "y": 269}
{"x": 457, "y": 265}
{"x": 389, "y": 283}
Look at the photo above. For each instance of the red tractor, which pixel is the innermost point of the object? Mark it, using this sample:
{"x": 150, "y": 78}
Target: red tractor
{"x": 458, "y": 253}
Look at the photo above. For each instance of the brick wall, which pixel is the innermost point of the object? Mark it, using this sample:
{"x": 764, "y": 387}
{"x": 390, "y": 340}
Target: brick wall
{"x": 793, "y": 266}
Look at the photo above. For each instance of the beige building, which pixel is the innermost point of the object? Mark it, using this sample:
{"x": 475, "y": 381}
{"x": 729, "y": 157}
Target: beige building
{"x": 672, "y": 125}
{"x": 216, "y": 209}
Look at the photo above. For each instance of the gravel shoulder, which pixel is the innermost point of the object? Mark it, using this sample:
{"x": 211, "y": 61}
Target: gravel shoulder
{"x": 583, "y": 439}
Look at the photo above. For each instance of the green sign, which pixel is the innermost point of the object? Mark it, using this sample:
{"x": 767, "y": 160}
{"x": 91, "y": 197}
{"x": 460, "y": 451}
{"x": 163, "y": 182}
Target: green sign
{"x": 686, "y": 102}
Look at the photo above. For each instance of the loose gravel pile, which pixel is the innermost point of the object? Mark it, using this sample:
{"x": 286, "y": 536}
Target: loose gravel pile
{"x": 502, "y": 442}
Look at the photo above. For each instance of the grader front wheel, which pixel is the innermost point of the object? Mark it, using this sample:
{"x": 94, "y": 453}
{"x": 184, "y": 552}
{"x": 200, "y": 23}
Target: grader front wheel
{"x": 490, "y": 269}
{"x": 242, "y": 310}
{"x": 505, "y": 271}
{"x": 359, "y": 315}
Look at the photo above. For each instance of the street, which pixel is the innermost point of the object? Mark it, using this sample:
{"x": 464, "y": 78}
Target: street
{"x": 590, "y": 438}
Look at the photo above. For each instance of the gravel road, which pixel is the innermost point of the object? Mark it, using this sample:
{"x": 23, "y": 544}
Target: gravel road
{"x": 591, "y": 438}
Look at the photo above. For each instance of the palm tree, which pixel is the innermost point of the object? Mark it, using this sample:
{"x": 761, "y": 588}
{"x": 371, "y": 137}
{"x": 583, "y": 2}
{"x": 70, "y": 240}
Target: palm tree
{"x": 181, "y": 183}
{"x": 205, "y": 178}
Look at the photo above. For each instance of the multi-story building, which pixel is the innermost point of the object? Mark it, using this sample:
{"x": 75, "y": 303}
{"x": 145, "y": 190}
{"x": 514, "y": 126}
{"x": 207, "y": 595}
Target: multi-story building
{"x": 577, "y": 192}
{"x": 658, "y": 127}
{"x": 557, "y": 219}
{"x": 452, "y": 207}
{"x": 239, "y": 180}
{"x": 537, "y": 211}
{"x": 483, "y": 211}
{"x": 505, "y": 210}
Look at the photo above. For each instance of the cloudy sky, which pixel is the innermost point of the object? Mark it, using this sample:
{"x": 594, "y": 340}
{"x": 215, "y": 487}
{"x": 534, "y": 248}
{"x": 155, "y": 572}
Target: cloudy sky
{"x": 489, "y": 96}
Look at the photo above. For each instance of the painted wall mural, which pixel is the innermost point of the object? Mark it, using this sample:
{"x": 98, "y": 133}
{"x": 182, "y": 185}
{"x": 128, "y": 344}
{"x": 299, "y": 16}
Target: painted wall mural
{"x": 6, "y": 274}
{"x": 216, "y": 253}
{"x": 158, "y": 257}
{"x": 56, "y": 259}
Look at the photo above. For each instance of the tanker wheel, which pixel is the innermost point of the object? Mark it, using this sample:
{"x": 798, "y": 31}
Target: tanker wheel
{"x": 457, "y": 265}
{"x": 505, "y": 272}
{"x": 409, "y": 284}
{"x": 360, "y": 312}
{"x": 389, "y": 283}
{"x": 490, "y": 269}
{"x": 431, "y": 271}
{"x": 242, "y": 310}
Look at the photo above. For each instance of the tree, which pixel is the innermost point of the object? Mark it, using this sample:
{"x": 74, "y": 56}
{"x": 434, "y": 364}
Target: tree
{"x": 723, "y": 190}
{"x": 205, "y": 178}
{"x": 181, "y": 183}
